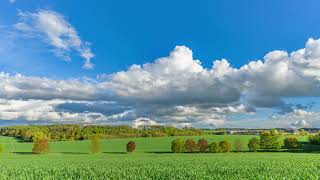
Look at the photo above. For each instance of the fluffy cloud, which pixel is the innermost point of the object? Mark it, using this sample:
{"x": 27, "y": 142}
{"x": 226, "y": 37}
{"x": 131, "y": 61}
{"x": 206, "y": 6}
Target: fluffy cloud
{"x": 190, "y": 115}
{"x": 178, "y": 90}
{"x": 53, "y": 29}
{"x": 51, "y": 111}
{"x": 179, "y": 79}
{"x": 43, "y": 110}
{"x": 176, "y": 79}
{"x": 24, "y": 87}
{"x": 143, "y": 122}
{"x": 280, "y": 75}
{"x": 297, "y": 119}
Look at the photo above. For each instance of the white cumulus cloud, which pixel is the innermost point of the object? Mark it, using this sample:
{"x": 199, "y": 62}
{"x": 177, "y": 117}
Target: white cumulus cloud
{"x": 43, "y": 110}
{"x": 143, "y": 122}
{"x": 176, "y": 90}
{"x": 26, "y": 87}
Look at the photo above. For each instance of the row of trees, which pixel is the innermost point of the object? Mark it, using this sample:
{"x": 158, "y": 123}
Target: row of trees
{"x": 179, "y": 146}
{"x": 268, "y": 141}
{"x": 79, "y": 132}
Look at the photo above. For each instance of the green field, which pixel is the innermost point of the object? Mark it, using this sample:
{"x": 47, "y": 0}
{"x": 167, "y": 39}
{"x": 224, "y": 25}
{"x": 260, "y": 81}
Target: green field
{"x": 144, "y": 145}
{"x": 152, "y": 160}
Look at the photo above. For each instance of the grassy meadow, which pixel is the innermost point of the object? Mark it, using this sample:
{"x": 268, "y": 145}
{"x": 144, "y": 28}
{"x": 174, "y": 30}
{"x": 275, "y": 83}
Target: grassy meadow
{"x": 152, "y": 160}
{"x": 144, "y": 145}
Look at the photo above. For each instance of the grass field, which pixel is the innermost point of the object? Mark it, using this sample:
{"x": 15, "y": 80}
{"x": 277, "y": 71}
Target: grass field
{"x": 153, "y": 144}
{"x": 152, "y": 160}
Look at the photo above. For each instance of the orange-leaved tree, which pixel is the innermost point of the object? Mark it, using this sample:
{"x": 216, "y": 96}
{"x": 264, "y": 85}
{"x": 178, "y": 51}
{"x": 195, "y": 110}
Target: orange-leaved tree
{"x": 41, "y": 146}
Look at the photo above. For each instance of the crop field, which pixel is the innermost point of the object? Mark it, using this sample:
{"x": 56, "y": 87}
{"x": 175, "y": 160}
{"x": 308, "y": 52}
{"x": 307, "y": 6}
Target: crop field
{"x": 152, "y": 160}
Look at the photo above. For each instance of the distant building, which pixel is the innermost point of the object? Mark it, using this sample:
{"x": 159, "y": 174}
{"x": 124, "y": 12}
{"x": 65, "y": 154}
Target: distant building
{"x": 229, "y": 131}
{"x": 291, "y": 131}
{"x": 243, "y": 131}
{"x": 311, "y": 130}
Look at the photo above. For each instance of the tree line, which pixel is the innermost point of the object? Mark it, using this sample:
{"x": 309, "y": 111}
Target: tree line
{"x": 267, "y": 141}
{"x": 81, "y": 132}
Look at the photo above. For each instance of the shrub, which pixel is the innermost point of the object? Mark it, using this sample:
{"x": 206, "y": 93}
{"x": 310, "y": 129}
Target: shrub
{"x": 214, "y": 148}
{"x": 291, "y": 143}
{"x": 303, "y": 132}
{"x": 238, "y": 145}
{"x": 1, "y": 148}
{"x": 202, "y": 145}
{"x": 131, "y": 146}
{"x": 314, "y": 139}
{"x": 270, "y": 140}
{"x": 225, "y": 146}
{"x": 177, "y": 145}
{"x": 41, "y": 146}
{"x": 95, "y": 144}
{"x": 253, "y": 144}
{"x": 190, "y": 145}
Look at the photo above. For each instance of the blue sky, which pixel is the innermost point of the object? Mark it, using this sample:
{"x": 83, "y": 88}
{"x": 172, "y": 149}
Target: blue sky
{"x": 123, "y": 33}
{"x": 113, "y": 35}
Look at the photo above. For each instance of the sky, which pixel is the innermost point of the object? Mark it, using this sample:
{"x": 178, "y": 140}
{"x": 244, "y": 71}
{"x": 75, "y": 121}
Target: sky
{"x": 208, "y": 64}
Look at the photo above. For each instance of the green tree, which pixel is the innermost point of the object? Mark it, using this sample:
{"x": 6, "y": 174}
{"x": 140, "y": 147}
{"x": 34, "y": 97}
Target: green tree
{"x": 131, "y": 146}
{"x": 225, "y": 146}
{"x": 1, "y": 148}
{"x": 41, "y": 146}
{"x": 303, "y": 132}
{"x": 27, "y": 135}
{"x": 203, "y": 145}
{"x": 214, "y": 148}
{"x": 95, "y": 144}
{"x": 253, "y": 144}
{"x": 238, "y": 145}
{"x": 315, "y": 138}
{"x": 190, "y": 145}
{"x": 38, "y": 135}
{"x": 270, "y": 140}
{"x": 177, "y": 145}
{"x": 291, "y": 143}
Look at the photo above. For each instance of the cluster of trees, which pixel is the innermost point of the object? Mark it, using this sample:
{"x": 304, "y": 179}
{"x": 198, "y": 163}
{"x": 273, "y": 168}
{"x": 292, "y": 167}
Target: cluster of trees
{"x": 179, "y": 146}
{"x": 79, "y": 132}
{"x": 268, "y": 141}
{"x": 272, "y": 141}
{"x": 315, "y": 139}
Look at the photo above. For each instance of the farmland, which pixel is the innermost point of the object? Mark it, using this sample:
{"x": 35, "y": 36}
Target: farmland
{"x": 162, "y": 166}
{"x": 152, "y": 160}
